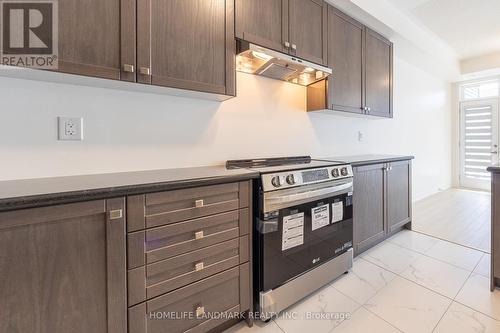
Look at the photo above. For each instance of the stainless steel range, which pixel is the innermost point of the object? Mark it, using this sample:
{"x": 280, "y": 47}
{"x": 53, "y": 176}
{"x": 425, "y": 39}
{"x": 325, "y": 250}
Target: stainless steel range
{"x": 302, "y": 229}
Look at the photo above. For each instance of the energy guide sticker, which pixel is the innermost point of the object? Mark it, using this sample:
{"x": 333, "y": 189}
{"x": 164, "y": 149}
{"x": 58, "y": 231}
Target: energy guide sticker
{"x": 320, "y": 217}
{"x": 293, "y": 231}
{"x": 338, "y": 211}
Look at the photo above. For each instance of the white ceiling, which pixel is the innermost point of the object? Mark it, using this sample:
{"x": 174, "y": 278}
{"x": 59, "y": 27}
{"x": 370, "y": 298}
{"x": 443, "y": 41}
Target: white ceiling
{"x": 470, "y": 27}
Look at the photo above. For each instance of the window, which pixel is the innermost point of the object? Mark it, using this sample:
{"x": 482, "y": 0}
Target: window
{"x": 479, "y": 90}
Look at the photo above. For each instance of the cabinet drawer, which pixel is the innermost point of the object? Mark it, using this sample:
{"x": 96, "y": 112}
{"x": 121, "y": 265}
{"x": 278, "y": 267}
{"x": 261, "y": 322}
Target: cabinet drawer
{"x": 153, "y": 280}
{"x": 164, "y": 242}
{"x": 177, "y": 311}
{"x": 163, "y": 208}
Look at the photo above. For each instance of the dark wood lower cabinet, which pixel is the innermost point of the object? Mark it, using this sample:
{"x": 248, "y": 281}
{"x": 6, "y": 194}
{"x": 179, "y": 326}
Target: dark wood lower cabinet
{"x": 63, "y": 269}
{"x": 382, "y": 201}
{"x": 198, "y": 307}
{"x": 189, "y": 258}
{"x": 368, "y": 200}
{"x": 398, "y": 194}
{"x": 495, "y": 228}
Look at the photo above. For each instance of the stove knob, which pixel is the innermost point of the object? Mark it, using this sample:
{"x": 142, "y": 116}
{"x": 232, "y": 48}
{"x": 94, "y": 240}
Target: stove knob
{"x": 276, "y": 181}
{"x": 290, "y": 179}
{"x": 335, "y": 173}
{"x": 344, "y": 171}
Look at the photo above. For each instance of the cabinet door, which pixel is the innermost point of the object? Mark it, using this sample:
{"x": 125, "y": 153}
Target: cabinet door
{"x": 398, "y": 194}
{"x": 368, "y": 214}
{"x": 378, "y": 84}
{"x": 308, "y": 30}
{"x": 263, "y": 22}
{"x": 63, "y": 269}
{"x": 345, "y": 57}
{"x": 97, "y": 38}
{"x": 187, "y": 44}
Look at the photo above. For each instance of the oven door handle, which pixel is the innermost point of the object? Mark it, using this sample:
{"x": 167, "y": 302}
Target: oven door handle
{"x": 309, "y": 194}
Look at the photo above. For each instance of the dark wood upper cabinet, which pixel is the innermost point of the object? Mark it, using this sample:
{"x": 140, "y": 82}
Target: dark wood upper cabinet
{"x": 362, "y": 64}
{"x": 308, "y": 30}
{"x": 97, "y": 38}
{"x": 187, "y": 44}
{"x": 345, "y": 57}
{"x": 378, "y": 83}
{"x": 263, "y": 22}
{"x": 296, "y": 27}
{"x": 63, "y": 269}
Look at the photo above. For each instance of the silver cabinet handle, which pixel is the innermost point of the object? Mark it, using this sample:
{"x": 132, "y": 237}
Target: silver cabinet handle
{"x": 128, "y": 68}
{"x": 199, "y": 203}
{"x": 199, "y": 235}
{"x": 287, "y": 44}
{"x": 115, "y": 214}
{"x": 294, "y": 46}
{"x": 200, "y": 311}
{"x": 199, "y": 266}
{"x": 145, "y": 71}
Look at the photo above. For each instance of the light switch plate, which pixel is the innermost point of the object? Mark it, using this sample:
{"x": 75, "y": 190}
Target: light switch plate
{"x": 70, "y": 129}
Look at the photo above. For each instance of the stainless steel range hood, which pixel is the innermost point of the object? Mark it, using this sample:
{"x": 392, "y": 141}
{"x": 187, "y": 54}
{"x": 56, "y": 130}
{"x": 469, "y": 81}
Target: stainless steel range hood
{"x": 257, "y": 60}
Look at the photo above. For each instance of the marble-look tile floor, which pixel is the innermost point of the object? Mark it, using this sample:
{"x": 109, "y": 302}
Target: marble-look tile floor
{"x": 409, "y": 283}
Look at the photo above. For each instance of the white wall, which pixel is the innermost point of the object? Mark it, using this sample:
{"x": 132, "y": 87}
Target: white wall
{"x": 135, "y": 131}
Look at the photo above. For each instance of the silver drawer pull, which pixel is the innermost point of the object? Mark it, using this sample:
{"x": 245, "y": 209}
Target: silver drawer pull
{"x": 200, "y": 311}
{"x": 199, "y": 235}
{"x": 199, "y": 203}
{"x": 128, "y": 68}
{"x": 199, "y": 266}
{"x": 116, "y": 214}
{"x": 145, "y": 71}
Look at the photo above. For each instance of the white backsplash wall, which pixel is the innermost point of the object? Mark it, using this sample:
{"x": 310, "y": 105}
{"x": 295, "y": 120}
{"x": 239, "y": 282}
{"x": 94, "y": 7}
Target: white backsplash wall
{"x": 127, "y": 131}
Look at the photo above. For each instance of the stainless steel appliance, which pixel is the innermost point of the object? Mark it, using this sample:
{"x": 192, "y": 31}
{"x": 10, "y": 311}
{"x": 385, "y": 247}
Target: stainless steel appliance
{"x": 258, "y": 60}
{"x": 302, "y": 229}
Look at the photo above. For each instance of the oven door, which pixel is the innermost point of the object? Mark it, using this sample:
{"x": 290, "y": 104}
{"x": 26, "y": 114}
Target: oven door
{"x": 301, "y": 228}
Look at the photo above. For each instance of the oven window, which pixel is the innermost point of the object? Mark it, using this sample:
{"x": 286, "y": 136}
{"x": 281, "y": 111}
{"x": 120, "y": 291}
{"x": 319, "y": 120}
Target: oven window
{"x": 305, "y": 236}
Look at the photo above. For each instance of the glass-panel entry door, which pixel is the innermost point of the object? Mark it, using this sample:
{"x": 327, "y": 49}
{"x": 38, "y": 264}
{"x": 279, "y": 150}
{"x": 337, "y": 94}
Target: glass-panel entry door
{"x": 478, "y": 142}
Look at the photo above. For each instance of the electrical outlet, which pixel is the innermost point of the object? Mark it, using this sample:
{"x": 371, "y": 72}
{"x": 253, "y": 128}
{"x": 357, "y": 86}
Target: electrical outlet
{"x": 70, "y": 128}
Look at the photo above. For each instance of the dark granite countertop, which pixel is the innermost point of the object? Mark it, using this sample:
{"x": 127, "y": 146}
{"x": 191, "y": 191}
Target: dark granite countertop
{"x": 495, "y": 168}
{"x": 18, "y": 194}
{"x": 367, "y": 159}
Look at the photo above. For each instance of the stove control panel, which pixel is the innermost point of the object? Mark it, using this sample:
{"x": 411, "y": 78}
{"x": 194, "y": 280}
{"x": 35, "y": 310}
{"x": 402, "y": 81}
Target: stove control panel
{"x": 287, "y": 179}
